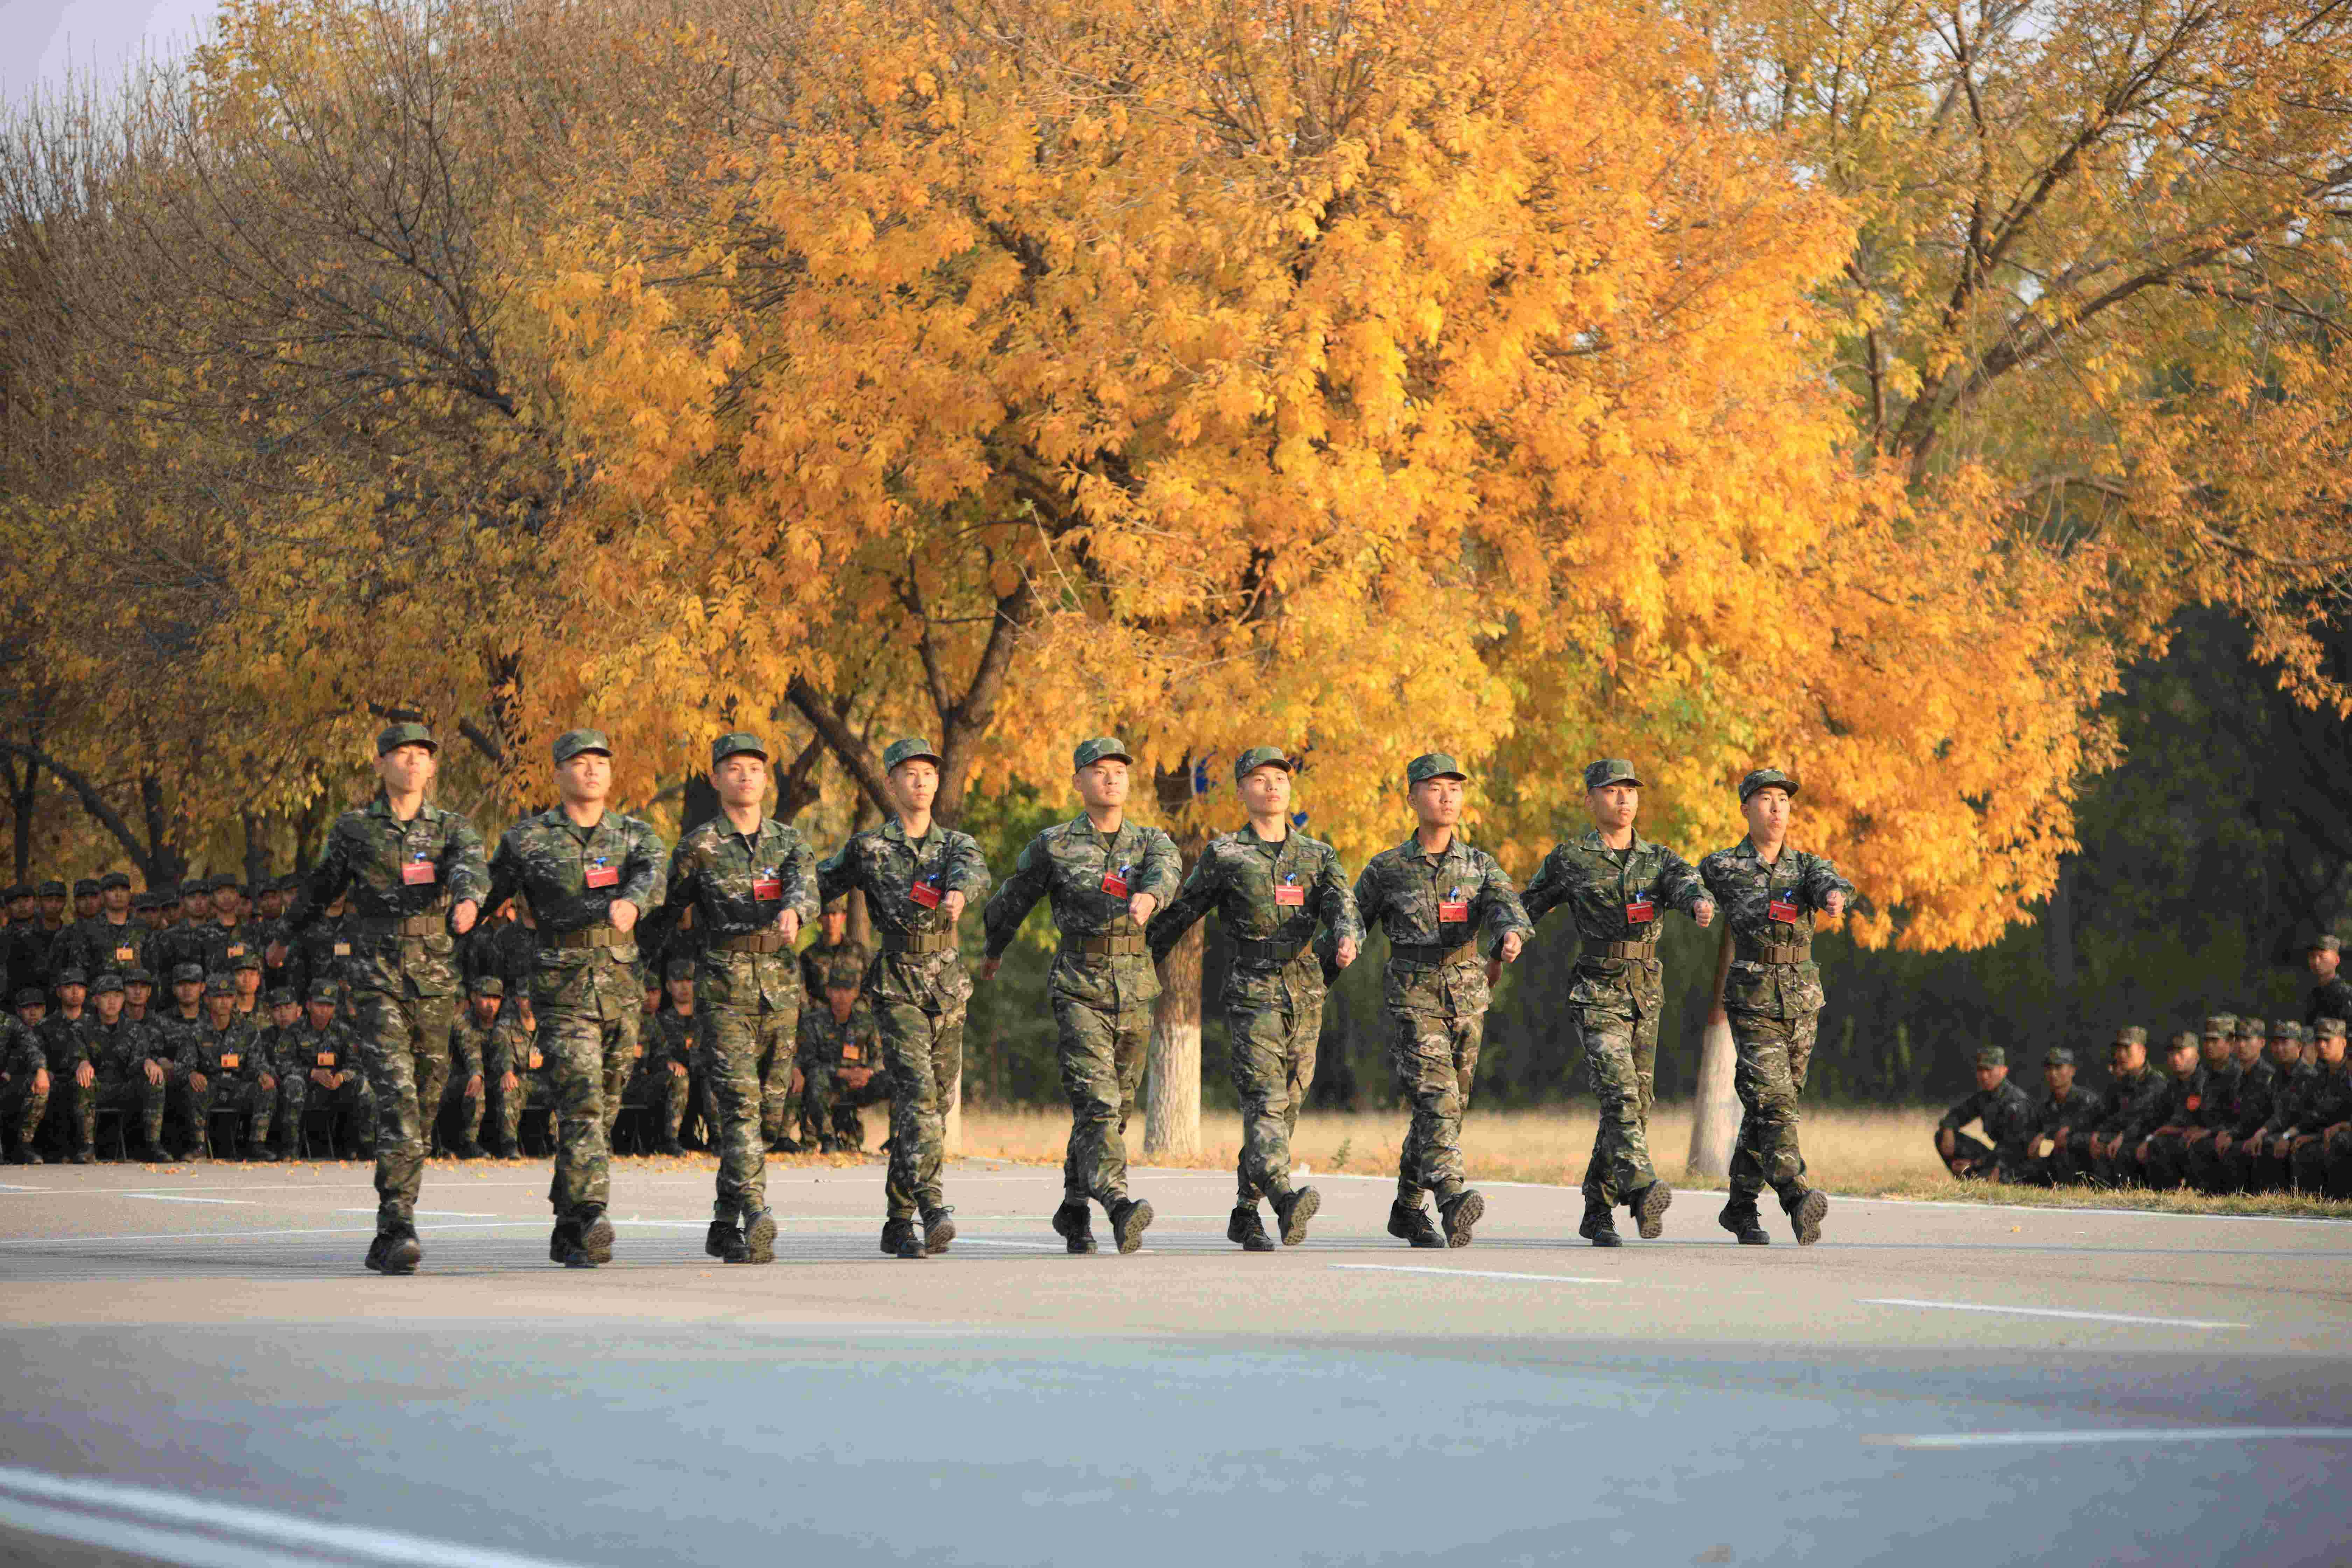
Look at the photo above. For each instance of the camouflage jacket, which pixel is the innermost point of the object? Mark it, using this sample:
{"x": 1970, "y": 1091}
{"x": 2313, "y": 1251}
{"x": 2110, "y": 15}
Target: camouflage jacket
{"x": 819, "y": 958}
{"x": 2078, "y": 1112}
{"x": 672, "y": 1039}
{"x": 125, "y": 1048}
{"x": 825, "y": 1042}
{"x": 2329, "y": 999}
{"x": 1407, "y": 892}
{"x": 886, "y": 866}
{"x": 2330, "y": 1101}
{"x": 2182, "y": 1098}
{"x": 510, "y": 1047}
{"x": 1614, "y": 896}
{"x": 231, "y": 1054}
{"x": 1280, "y": 893}
{"x": 2257, "y": 1097}
{"x": 372, "y": 855}
{"x": 1075, "y": 870}
{"x": 69, "y": 1042}
{"x": 2135, "y": 1103}
{"x": 318, "y": 954}
{"x": 468, "y": 1043}
{"x": 551, "y": 860}
{"x": 20, "y": 1048}
{"x": 2290, "y": 1095}
{"x": 1747, "y": 891}
{"x": 2007, "y": 1114}
{"x": 225, "y": 944}
{"x": 97, "y": 946}
{"x": 739, "y": 886}
{"x": 2223, "y": 1086}
{"x": 167, "y": 949}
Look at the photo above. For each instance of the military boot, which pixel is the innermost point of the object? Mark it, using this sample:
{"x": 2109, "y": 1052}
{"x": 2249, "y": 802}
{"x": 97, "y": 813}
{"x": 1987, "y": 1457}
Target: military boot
{"x": 82, "y": 1157}
{"x": 724, "y": 1241}
{"x": 1294, "y": 1209}
{"x": 1460, "y": 1212}
{"x": 1649, "y": 1209}
{"x": 1248, "y": 1229}
{"x": 396, "y": 1251}
{"x": 1805, "y": 1212}
{"x": 1740, "y": 1219}
{"x": 938, "y": 1230}
{"x": 1598, "y": 1226}
{"x": 894, "y": 1234}
{"x": 759, "y": 1239}
{"x": 591, "y": 1240}
{"x": 1410, "y": 1222}
{"x": 261, "y": 1154}
{"x": 910, "y": 1241}
{"x": 1128, "y": 1219}
{"x": 1074, "y": 1221}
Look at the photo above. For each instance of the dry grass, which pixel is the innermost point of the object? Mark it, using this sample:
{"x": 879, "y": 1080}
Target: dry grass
{"x": 1865, "y": 1154}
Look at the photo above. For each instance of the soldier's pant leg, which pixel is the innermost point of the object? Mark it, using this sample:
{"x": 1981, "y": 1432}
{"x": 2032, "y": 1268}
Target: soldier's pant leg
{"x": 1967, "y": 1147}
{"x": 505, "y": 1111}
{"x": 2336, "y": 1179}
{"x": 818, "y": 1089}
{"x": 260, "y": 1108}
{"x": 2167, "y": 1163}
{"x": 1271, "y": 1073}
{"x": 1094, "y": 1162}
{"x": 1619, "y": 1166}
{"x": 464, "y": 1110}
{"x": 23, "y": 1105}
{"x": 581, "y": 1051}
{"x": 848, "y": 1127}
{"x": 195, "y": 1108}
{"x": 400, "y": 1040}
{"x": 1434, "y": 1057}
{"x": 74, "y": 1109}
{"x": 924, "y": 1054}
{"x": 777, "y": 1107}
{"x": 1765, "y": 1078}
{"x": 732, "y": 1043}
{"x": 623, "y": 1050}
{"x": 142, "y": 1104}
{"x": 432, "y": 1088}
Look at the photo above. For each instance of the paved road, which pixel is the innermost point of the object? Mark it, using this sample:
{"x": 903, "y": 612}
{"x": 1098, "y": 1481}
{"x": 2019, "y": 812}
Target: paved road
{"x": 195, "y": 1370}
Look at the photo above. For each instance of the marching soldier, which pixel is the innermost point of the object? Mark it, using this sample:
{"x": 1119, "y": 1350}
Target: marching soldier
{"x": 414, "y": 877}
{"x": 1275, "y": 889}
{"x": 1615, "y": 884}
{"x": 2008, "y": 1117}
{"x": 1103, "y": 877}
{"x": 917, "y": 877}
{"x": 1442, "y": 903}
{"x": 1772, "y": 994}
{"x": 589, "y": 874}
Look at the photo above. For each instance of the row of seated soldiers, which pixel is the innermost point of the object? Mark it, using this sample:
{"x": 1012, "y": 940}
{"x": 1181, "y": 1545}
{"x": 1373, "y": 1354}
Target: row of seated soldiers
{"x": 210, "y": 922}
{"x": 2241, "y": 1108}
{"x": 281, "y": 1068}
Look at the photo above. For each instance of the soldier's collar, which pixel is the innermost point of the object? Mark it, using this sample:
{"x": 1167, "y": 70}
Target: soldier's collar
{"x": 1456, "y": 844}
{"x": 380, "y": 805}
{"x": 1592, "y": 840}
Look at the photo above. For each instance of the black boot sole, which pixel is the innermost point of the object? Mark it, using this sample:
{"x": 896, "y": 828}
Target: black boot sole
{"x": 760, "y": 1240}
{"x": 1807, "y": 1217}
{"x": 402, "y": 1257}
{"x": 596, "y": 1241}
{"x": 1650, "y": 1214}
{"x": 1302, "y": 1208}
{"x": 1466, "y": 1211}
{"x": 937, "y": 1236}
{"x": 1131, "y": 1225}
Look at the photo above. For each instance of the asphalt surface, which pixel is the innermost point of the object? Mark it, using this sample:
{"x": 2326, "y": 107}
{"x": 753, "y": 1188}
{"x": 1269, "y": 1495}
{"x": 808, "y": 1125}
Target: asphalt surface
{"x": 194, "y": 1369}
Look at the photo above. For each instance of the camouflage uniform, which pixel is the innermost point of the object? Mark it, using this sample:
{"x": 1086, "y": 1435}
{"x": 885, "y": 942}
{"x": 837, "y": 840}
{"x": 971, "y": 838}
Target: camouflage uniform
{"x": 2009, "y": 1120}
{"x": 585, "y": 991}
{"x": 238, "y": 1064}
{"x": 822, "y": 958}
{"x": 1440, "y": 912}
{"x": 1272, "y": 898}
{"x": 828, "y": 1047}
{"x": 69, "y": 1043}
{"x": 317, "y": 955}
{"x": 747, "y": 982}
{"x": 98, "y": 946}
{"x": 1102, "y": 984}
{"x": 2135, "y": 1106}
{"x": 1773, "y": 997}
{"x": 511, "y": 1050}
{"x": 23, "y": 1102}
{"x": 303, "y": 1050}
{"x": 400, "y": 979}
{"x": 654, "y": 1087}
{"x": 469, "y": 1043}
{"x": 2256, "y": 1097}
{"x": 1614, "y": 897}
{"x": 2322, "y": 1157}
{"x": 917, "y": 987}
{"x": 2073, "y": 1116}
{"x": 124, "y": 1051}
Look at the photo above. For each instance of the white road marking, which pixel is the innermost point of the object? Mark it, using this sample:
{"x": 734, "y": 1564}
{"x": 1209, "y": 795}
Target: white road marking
{"x": 184, "y": 1198}
{"x": 2051, "y": 1312}
{"x": 203, "y": 1533}
{"x": 1022, "y": 1245}
{"x": 1477, "y": 1274}
{"x": 247, "y": 1235}
{"x": 432, "y": 1213}
{"x": 2096, "y": 1438}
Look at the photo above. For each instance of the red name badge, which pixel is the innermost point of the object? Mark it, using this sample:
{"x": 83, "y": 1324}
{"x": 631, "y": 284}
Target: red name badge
{"x": 413, "y": 872}
{"x": 1115, "y": 882}
{"x": 1453, "y": 910}
{"x": 236, "y": 950}
{"x": 230, "y": 1058}
{"x": 343, "y": 949}
{"x": 125, "y": 954}
{"x": 1783, "y": 908}
{"x": 925, "y": 894}
{"x": 1290, "y": 894}
{"x": 602, "y": 875}
{"x": 326, "y": 1058}
{"x": 2195, "y": 1100}
{"x": 770, "y": 889}
{"x": 1641, "y": 911}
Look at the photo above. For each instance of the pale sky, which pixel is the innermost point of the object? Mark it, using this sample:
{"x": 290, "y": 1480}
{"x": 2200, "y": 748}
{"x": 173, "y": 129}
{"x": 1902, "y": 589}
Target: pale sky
{"x": 41, "y": 40}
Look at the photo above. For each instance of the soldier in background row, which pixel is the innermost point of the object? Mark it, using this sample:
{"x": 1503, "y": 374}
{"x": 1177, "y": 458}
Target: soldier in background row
{"x": 2008, "y": 1116}
{"x": 2331, "y": 993}
{"x": 663, "y": 1077}
{"x": 839, "y": 1053}
{"x": 2056, "y": 1156}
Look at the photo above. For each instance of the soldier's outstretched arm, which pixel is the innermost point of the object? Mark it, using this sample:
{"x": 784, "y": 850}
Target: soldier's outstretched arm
{"x": 325, "y": 884}
{"x": 1336, "y": 902}
{"x": 1548, "y": 888}
{"x": 1017, "y": 897}
{"x": 1505, "y": 917}
{"x": 1192, "y": 903}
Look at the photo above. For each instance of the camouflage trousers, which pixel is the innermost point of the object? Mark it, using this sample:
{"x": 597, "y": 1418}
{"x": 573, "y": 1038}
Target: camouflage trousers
{"x": 660, "y": 1088}
{"x": 2211, "y": 1171}
{"x": 1102, "y": 1053}
{"x": 1621, "y": 1057}
{"x": 459, "y": 1114}
{"x": 2166, "y": 1166}
{"x": 404, "y": 1042}
{"x": 22, "y": 1106}
{"x": 2322, "y": 1165}
{"x": 254, "y": 1106}
{"x": 503, "y": 1113}
{"x": 1273, "y": 1068}
{"x": 829, "y": 1107}
{"x": 779, "y": 1108}
{"x": 924, "y": 1054}
{"x": 352, "y": 1100}
{"x": 733, "y": 1046}
{"x": 1987, "y": 1163}
{"x": 1434, "y": 1057}
{"x": 73, "y": 1109}
{"x": 141, "y": 1102}
{"x": 587, "y": 1061}
{"x": 1770, "y": 1075}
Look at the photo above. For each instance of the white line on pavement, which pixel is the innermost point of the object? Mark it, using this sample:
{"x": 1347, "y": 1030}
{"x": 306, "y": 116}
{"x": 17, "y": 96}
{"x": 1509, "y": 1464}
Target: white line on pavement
{"x": 70, "y": 1241}
{"x": 1024, "y": 1245}
{"x": 2096, "y": 1438}
{"x": 202, "y": 1532}
{"x": 184, "y": 1198}
{"x": 2049, "y": 1312}
{"x": 1477, "y": 1273}
{"x": 432, "y": 1213}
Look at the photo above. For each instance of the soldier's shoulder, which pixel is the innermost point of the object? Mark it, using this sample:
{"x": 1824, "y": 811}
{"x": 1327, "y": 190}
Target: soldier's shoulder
{"x": 1386, "y": 860}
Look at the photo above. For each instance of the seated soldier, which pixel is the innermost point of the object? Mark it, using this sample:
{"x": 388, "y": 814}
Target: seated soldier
{"x": 132, "y": 1066}
{"x": 523, "y": 1086}
{"x": 465, "y": 1103}
{"x": 2220, "y": 1166}
{"x": 24, "y": 1073}
{"x": 840, "y": 1058}
{"x": 71, "y": 1044}
{"x": 2162, "y": 1150}
{"x": 2008, "y": 1118}
{"x": 332, "y": 1075}
{"x": 662, "y": 1077}
{"x": 280, "y": 1046}
{"x": 2136, "y": 1093}
{"x": 2061, "y": 1119}
{"x": 2322, "y": 1140}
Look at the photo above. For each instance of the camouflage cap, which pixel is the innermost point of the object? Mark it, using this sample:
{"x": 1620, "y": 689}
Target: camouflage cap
{"x": 136, "y": 976}
{"x": 485, "y": 985}
{"x": 1258, "y": 757}
{"x": 1101, "y": 748}
{"x": 187, "y": 973}
{"x": 245, "y": 961}
{"x": 220, "y": 982}
{"x": 72, "y": 974}
{"x": 2058, "y": 1057}
{"x": 679, "y": 969}
{"x": 2286, "y": 1029}
{"x": 326, "y": 991}
{"x": 735, "y": 743}
{"x": 145, "y": 901}
{"x": 19, "y": 891}
{"x": 572, "y": 743}
{"x": 1991, "y": 1057}
{"x": 2327, "y": 1029}
{"x": 85, "y": 885}
{"x": 2222, "y": 1024}
{"x": 222, "y": 882}
{"x": 31, "y": 996}
{"x": 837, "y": 905}
{"x": 281, "y": 997}
{"x": 908, "y": 750}
{"x": 167, "y": 897}
{"x": 2182, "y": 1040}
{"x": 113, "y": 879}
{"x": 1766, "y": 778}
{"x": 52, "y": 888}
{"x": 2249, "y": 1030}
{"x": 1608, "y": 770}
{"x": 407, "y": 734}
{"x": 2131, "y": 1034}
{"x": 201, "y": 885}
{"x": 108, "y": 980}
{"x": 1433, "y": 765}
{"x": 2326, "y": 942}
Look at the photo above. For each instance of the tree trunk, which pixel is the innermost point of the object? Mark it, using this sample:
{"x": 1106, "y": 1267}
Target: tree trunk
{"x": 256, "y": 848}
{"x": 1171, "y": 1108}
{"x": 20, "y": 804}
{"x": 1714, "y": 1108}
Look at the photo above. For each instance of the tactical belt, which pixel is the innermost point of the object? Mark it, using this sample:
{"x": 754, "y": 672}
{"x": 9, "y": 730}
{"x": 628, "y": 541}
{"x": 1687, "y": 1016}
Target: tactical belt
{"x": 1267, "y": 953}
{"x": 918, "y": 941}
{"x": 767, "y": 940}
{"x": 1643, "y": 949}
{"x": 1436, "y": 956}
{"x": 1764, "y": 952}
{"x": 1110, "y": 946}
{"x": 588, "y": 936}
{"x": 397, "y": 925}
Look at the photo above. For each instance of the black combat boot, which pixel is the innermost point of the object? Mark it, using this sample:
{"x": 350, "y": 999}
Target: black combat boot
{"x": 1739, "y": 1217}
{"x": 401, "y": 1251}
{"x": 938, "y": 1230}
{"x": 1294, "y": 1209}
{"x": 724, "y": 1241}
{"x": 1074, "y": 1221}
{"x": 1410, "y": 1222}
{"x": 563, "y": 1243}
{"x": 1247, "y": 1229}
{"x": 1129, "y": 1217}
{"x": 1460, "y": 1212}
{"x": 595, "y": 1234}
{"x": 894, "y": 1234}
{"x": 1598, "y": 1226}
{"x": 1649, "y": 1209}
